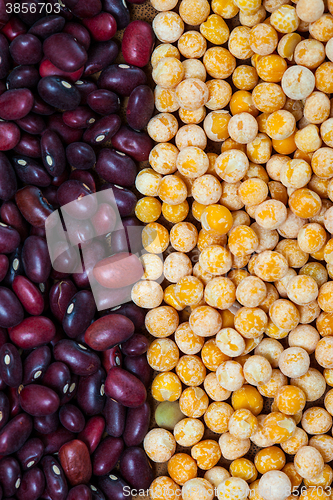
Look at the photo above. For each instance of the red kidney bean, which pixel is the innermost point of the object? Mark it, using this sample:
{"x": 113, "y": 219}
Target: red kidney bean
{"x": 47, "y": 424}
{"x": 103, "y": 102}
{"x": 111, "y": 357}
{"x": 81, "y": 360}
{"x": 135, "y": 346}
{"x": 30, "y": 453}
{"x": 115, "y": 417}
{"x": 86, "y": 86}
{"x": 14, "y": 401}
{"x": 3, "y": 336}
{"x": 32, "y": 123}
{"x": 4, "y": 409}
{"x": 38, "y": 400}
{"x": 23, "y": 77}
{"x": 108, "y": 331}
{"x": 56, "y": 485}
{"x": 9, "y": 238}
{"x": 138, "y": 366}
{"x": 106, "y": 456}
{"x": 104, "y": 220}
{"x": 84, "y": 8}
{"x": 114, "y": 487}
{"x": 36, "y": 260}
{"x": 46, "y": 68}
{"x": 92, "y": 253}
{"x": 9, "y": 136}
{"x": 50, "y": 193}
{"x": 35, "y": 364}
{"x": 29, "y": 295}
{"x": 67, "y": 134}
{"x": 15, "y": 433}
{"x": 102, "y": 27}
{"x": 61, "y": 294}
{"x": 30, "y": 172}
{"x": 80, "y": 155}
{"x": 14, "y": 28}
{"x": 81, "y": 117}
{"x": 41, "y": 108}
{"x": 137, "y": 43}
{"x": 28, "y": 145}
{"x": 121, "y": 78}
{"x": 88, "y": 178}
{"x": 58, "y": 91}
{"x": 53, "y": 153}
{"x": 75, "y": 460}
{"x": 58, "y": 378}
{"x": 124, "y": 198}
{"x": 116, "y": 167}
{"x": 125, "y": 388}
{"x": 93, "y": 432}
{"x": 73, "y": 196}
{"x": 140, "y": 107}
{"x": 65, "y": 52}
{"x": 135, "y": 468}
{"x": 33, "y": 332}
{"x": 100, "y": 55}
{"x": 79, "y": 231}
{"x": 102, "y": 130}
{"x": 10, "y": 365}
{"x": 79, "y": 313}
{"x": 79, "y": 32}
{"x": 118, "y": 271}
{"x": 80, "y": 492}
{"x": 15, "y": 266}
{"x": 136, "y": 144}
{"x": 16, "y": 103}
{"x": 47, "y": 26}
{"x": 119, "y": 11}
{"x": 26, "y": 49}
{"x": 54, "y": 440}
{"x": 32, "y": 15}
{"x": 10, "y": 215}
{"x": 107, "y": 297}
{"x": 90, "y": 393}
{"x": 32, "y": 485}
{"x": 65, "y": 257}
{"x": 71, "y": 418}
{"x": 5, "y": 57}
{"x": 10, "y": 475}
{"x": 33, "y": 206}
{"x": 137, "y": 425}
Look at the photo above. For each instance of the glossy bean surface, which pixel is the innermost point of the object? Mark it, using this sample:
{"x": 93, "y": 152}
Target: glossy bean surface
{"x": 109, "y": 331}
{"x": 115, "y": 417}
{"x": 11, "y": 370}
{"x": 65, "y": 52}
{"x": 93, "y": 432}
{"x": 75, "y": 460}
{"x": 125, "y": 388}
{"x": 81, "y": 361}
{"x": 36, "y": 364}
{"x": 107, "y": 455}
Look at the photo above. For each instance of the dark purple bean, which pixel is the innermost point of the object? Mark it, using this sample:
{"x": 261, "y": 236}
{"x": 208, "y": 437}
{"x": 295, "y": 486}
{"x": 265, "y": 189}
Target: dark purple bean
{"x": 5, "y": 57}
{"x": 61, "y": 294}
{"x": 11, "y": 216}
{"x": 35, "y": 209}
{"x": 15, "y": 433}
{"x": 26, "y": 49}
{"x": 81, "y": 117}
{"x": 65, "y": 52}
{"x": 124, "y": 198}
{"x": 80, "y": 155}
{"x": 32, "y": 485}
{"x": 35, "y": 364}
{"x": 84, "y": 8}
{"x": 121, "y": 78}
{"x": 135, "y": 468}
{"x": 10, "y": 365}
{"x": 114, "y": 487}
{"x": 13, "y": 27}
{"x": 54, "y": 440}
{"x": 115, "y": 417}
{"x": 125, "y": 388}
{"x": 112, "y": 357}
{"x": 135, "y": 346}
{"x": 41, "y": 108}
{"x": 32, "y": 14}
{"x": 90, "y": 394}
{"x": 11, "y": 311}
{"x": 137, "y": 425}
{"x": 30, "y": 172}
{"x": 47, "y": 26}
{"x": 91, "y": 254}
{"x": 56, "y": 485}
{"x": 58, "y": 378}
{"x": 104, "y": 220}
{"x": 16, "y": 104}
{"x": 4, "y": 409}
{"x": 79, "y": 32}
{"x": 29, "y": 145}
{"x": 75, "y": 459}
{"x": 10, "y": 476}
{"x": 15, "y": 267}
{"x": 140, "y": 107}
{"x": 47, "y": 424}
{"x": 38, "y": 400}
{"x": 58, "y": 91}
{"x": 29, "y": 295}
{"x": 3, "y": 336}
{"x": 100, "y": 55}
{"x": 32, "y": 123}
{"x": 14, "y": 401}
{"x": 92, "y": 433}
{"x": 9, "y": 238}
{"x": 9, "y": 135}
{"x": 4, "y": 265}
{"x": 139, "y": 366}
{"x": 71, "y": 418}
{"x": 67, "y": 134}
{"x": 23, "y": 77}
{"x": 102, "y": 130}
{"x": 74, "y": 197}
{"x": 79, "y": 231}
{"x": 106, "y": 456}
{"x": 46, "y": 68}
{"x": 102, "y": 27}
{"x": 64, "y": 257}
{"x": 119, "y": 11}
{"x": 108, "y": 331}
{"x": 137, "y": 43}
{"x": 88, "y": 178}
{"x": 79, "y": 313}
{"x": 116, "y": 167}
{"x": 136, "y": 144}
{"x": 30, "y": 453}
{"x": 103, "y": 102}
{"x": 81, "y": 361}
{"x": 36, "y": 260}
{"x": 80, "y": 492}
{"x": 85, "y": 87}
{"x": 8, "y": 183}
{"x": 53, "y": 153}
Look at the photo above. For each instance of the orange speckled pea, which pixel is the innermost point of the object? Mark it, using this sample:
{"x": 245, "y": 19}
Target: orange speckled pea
{"x": 225, "y": 8}
{"x": 278, "y": 427}
{"x": 166, "y": 387}
{"x": 190, "y": 135}
{"x": 287, "y": 44}
{"x": 168, "y": 72}
{"x": 217, "y": 218}
{"x": 147, "y": 294}
{"x": 276, "y": 381}
{"x": 257, "y": 370}
{"x": 322, "y": 29}
{"x": 215, "y": 29}
{"x": 270, "y": 68}
{"x": 253, "y": 191}
{"x": 187, "y": 341}
{"x": 308, "y": 138}
{"x": 251, "y": 291}
{"x": 219, "y": 94}
{"x": 317, "y": 108}
{"x": 216, "y": 259}
{"x": 182, "y": 468}
{"x": 193, "y": 402}
{"x": 259, "y": 150}
{"x": 192, "y": 162}
{"x": 164, "y": 488}
{"x": 285, "y": 19}
{"x": 162, "y": 127}
{"x": 148, "y": 209}
{"x": 163, "y": 157}
{"x": 245, "y": 77}
{"x": 241, "y": 101}
{"x": 308, "y": 462}
{"x": 189, "y": 431}
{"x": 230, "y": 375}
{"x": 292, "y": 445}
{"x": 160, "y": 445}
{"x": 192, "y": 45}
{"x": 242, "y": 424}
{"x": 322, "y": 163}
{"x": 175, "y": 213}
{"x": 170, "y": 298}
{"x": 216, "y": 125}
{"x": 205, "y": 321}
{"x": 189, "y": 290}
{"x": 290, "y": 399}
{"x": 249, "y": 398}
{"x": 230, "y": 342}
{"x": 147, "y": 182}
{"x": 312, "y": 383}
{"x": 231, "y": 165}
{"x": 172, "y": 190}
{"x": 206, "y": 190}
{"x": 191, "y": 94}
{"x": 214, "y": 390}
{"x": 239, "y": 42}
{"x": 271, "y": 458}
{"x": 295, "y": 173}
{"x": 270, "y": 266}
{"x": 168, "y": 26}
{"x": 243, "y": 128}
{"x": 183, "y": 236}
{"x": 325, "y": 297}
{"x": 286, "y": 146}
{"x": 217, "y": 417}
{"x": 302, "y": 290}
{"x": 194, "y": 12}
{"x": 212, "y": 356}
{"x": 263, "y": 39}
{"x": 155, "y": 238}
{"x": 305, "y": 203}
{"x": 164, "y": 50}
{"x": 242, "y": 241}
{"x": 163, "y": 355}
{"x": 191, "y": 370}
{"x": 280, "y": 125}
{"x": 324, "y": 444}
{"x": 208, "y": 238}
{"x": 219, "y": 62}
{"x": 244, "y": 469}
{"x": 270, "y": 214}
{"x": 165, "y": 100}
{"x": 195, "y": 116}
{"x": 232, "y": 447}
{"x": 268, "y": 97}
{"x": 290, "y": 470}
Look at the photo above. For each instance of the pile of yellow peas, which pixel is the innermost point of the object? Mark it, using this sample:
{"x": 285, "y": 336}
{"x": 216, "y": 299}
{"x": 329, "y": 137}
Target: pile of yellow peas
{"x": 252, "y": 317}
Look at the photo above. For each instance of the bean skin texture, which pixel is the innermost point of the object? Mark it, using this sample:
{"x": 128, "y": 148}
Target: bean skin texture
{"x": 75, "y": 460}
{"x": 107, "y": 455}
{"x": 39, "y": 401}
{"x": 30, "y": 453}
{"x": 125, "y": 388}
{"x": 33, "y": 332}
{"x": 15, "y": 433}
{"x": 92, "y": 434}
{"x": 108, "y": 331}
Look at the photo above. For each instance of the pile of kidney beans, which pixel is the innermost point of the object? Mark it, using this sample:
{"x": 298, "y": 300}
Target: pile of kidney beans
{"x": 72, "y": 380}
